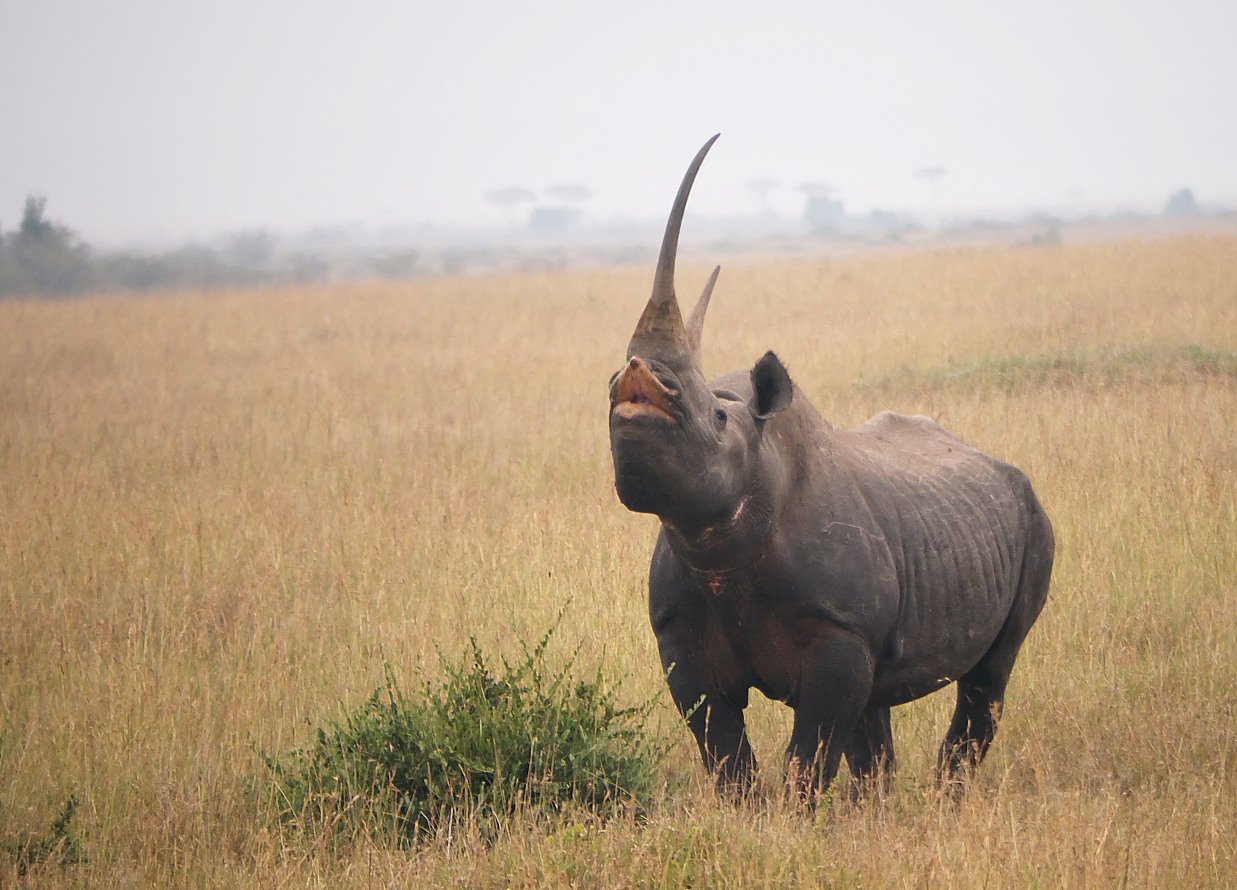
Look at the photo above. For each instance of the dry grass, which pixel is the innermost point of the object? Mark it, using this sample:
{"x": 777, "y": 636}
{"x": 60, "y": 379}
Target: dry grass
{"x": 221, "y": 513}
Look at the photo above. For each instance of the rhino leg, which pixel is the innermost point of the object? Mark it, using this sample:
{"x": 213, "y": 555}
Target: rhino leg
{"x": 980, "y": 702}
{"x": 870, "y": 752}
{"x": 724, "y": 747}
{"x": 833, "y": 694}
{"x": 715, "y": 719}
{"x": 981, "y": 691}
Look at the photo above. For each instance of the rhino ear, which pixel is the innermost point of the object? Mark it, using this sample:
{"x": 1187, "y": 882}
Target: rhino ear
{"x": 772, "y": 390}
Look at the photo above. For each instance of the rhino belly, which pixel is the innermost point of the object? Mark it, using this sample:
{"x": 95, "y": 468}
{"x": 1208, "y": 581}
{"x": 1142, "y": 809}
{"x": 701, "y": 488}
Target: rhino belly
{"x": 953, "y": 608}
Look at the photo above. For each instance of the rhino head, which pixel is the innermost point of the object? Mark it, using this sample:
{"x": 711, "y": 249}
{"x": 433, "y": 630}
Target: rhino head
{"x": 684, "y": 450}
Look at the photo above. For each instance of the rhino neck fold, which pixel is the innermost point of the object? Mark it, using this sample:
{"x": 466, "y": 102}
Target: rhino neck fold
{"x": 729, "y": 547}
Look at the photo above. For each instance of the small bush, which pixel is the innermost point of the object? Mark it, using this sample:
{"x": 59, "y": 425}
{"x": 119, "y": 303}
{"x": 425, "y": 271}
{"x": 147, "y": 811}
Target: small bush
{"x": 60, "y": 845}
{"x": 471, "y": 750}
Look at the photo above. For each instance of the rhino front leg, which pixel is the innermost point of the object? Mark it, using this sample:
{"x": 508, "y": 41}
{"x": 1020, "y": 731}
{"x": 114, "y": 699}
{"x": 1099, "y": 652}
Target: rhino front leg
{"x": 836, "y": 679}
{"x": 715, "y": 719}
{"x": 724, "y": 747}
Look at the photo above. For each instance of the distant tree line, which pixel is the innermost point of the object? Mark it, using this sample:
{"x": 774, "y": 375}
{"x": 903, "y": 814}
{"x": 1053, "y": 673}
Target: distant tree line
{"x": 42, "y": 257}
{"x": 46, "y": 258}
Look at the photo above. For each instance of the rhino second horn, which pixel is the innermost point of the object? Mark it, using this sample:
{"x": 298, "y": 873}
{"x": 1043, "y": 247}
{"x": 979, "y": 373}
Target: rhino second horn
{"x": 695, "y": 324}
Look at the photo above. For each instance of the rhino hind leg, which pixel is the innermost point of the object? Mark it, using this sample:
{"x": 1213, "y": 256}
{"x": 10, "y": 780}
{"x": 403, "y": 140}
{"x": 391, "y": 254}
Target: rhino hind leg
{"x": 981, "y": 701}
{"x": 974, "y": 723}
{"x": 981, "y": 691}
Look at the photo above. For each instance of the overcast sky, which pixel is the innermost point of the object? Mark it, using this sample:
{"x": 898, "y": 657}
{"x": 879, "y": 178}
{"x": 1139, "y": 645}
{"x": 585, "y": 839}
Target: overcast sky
{"x": 165, "y": 120}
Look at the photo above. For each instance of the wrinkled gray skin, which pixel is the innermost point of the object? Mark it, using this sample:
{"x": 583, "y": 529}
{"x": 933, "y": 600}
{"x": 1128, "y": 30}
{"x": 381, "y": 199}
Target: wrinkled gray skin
{"x": 839, "y": 571}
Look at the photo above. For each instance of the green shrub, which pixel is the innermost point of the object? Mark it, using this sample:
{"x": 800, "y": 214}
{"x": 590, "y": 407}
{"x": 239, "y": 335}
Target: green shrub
{"x": 470, "y": 751}
{"x": 60, "y": 845}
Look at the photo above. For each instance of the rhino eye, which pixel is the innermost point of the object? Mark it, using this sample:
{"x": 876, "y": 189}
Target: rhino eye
{"x": 721, "y": 418}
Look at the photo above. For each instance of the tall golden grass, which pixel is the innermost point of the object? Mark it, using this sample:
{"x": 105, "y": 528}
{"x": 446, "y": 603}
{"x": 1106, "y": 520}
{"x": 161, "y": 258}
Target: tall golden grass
{"x": 222, "y": 513}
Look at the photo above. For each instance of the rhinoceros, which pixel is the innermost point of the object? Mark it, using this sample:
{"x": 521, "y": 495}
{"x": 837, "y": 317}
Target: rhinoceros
{"x": 840, "y": 571}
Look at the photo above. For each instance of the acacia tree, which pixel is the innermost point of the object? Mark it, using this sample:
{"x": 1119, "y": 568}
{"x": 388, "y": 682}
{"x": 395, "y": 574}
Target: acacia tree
{"x": 32, "y": 223}
{"x": 508, "y": 199}
{"x": 761, "y": 189}
{"x": 570, "y": 193}
{"x": 1181, "y": 203}
{"x": 932, "y": 175}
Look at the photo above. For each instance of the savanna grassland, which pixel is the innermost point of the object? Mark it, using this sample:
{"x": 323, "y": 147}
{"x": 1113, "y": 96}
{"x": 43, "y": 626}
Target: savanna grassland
{"x": 221, "y": 515}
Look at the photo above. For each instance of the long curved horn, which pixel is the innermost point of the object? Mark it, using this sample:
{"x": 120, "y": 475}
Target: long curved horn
{"x": 695, "y": 324}
{"x": 660, "y": 332}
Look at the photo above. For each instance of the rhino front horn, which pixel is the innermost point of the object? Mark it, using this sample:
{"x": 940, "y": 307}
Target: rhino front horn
{"x": 660, "y": 333}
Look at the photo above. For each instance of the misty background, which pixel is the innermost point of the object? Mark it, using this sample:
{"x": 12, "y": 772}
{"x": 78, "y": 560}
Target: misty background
{"x": 248, "y": 131}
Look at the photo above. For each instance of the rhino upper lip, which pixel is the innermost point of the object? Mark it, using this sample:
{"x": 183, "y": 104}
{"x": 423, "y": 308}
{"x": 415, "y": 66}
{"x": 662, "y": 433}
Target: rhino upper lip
{"x": 638, "y": 392}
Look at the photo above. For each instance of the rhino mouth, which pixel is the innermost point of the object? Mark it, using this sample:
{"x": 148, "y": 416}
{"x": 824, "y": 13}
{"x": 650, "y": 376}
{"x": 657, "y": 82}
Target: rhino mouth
{"x": 637, "y": 393}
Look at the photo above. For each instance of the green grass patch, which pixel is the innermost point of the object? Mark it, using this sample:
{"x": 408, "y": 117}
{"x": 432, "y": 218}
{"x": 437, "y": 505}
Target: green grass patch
{"x": 470, "y": 751}
{"x": 1149, "y": 365}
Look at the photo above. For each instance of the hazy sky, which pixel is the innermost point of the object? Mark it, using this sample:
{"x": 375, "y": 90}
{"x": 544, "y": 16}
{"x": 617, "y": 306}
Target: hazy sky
{"x": 163, "y": 120}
